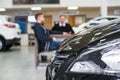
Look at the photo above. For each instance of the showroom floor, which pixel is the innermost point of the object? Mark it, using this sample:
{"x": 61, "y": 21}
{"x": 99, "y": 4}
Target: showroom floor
{"x": 18, "y": 64}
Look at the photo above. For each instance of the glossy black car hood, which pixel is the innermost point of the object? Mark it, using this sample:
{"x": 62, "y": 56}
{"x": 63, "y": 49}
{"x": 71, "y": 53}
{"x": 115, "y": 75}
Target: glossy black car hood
{"x": 80, "y": 40}
{"x": 100, "y": 56}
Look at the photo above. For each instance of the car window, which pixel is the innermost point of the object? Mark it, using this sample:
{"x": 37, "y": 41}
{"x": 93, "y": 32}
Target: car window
{"x": 106, "y": 19}
{"x": 111, "y": 18}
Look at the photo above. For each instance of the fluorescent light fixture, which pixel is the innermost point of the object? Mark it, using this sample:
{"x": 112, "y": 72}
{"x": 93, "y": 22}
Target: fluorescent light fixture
{"x": 73, "y": 8}
{"x": 36, "y": 8}
{"x": 2, "y": 9}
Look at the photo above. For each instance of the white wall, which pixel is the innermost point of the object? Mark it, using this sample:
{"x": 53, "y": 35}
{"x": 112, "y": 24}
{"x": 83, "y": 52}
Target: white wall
{"x": 81, "y": 3}
{"x": 114, "y": 3}
{"x": 6, "y": 3}
{"x": 64, "y": 3}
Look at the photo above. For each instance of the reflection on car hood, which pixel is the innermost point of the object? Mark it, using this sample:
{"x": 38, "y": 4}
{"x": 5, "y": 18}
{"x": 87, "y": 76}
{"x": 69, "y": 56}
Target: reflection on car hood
{"x": 107, "y": 46}
{"x": 80, "y": 40}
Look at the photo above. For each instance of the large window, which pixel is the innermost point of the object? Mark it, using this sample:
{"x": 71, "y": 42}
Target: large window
{"x": 24, "y": 2}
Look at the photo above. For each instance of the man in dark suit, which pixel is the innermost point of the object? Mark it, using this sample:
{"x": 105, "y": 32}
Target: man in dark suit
{"x": 45, "y": 41}
{"x": 63, "y": 26}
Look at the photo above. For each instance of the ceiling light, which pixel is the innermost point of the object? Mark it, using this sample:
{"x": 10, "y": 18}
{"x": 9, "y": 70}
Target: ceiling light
{"x": 72, "y": 8}
{"x": 2, "y": 9}
{"x": 36, "y": 8}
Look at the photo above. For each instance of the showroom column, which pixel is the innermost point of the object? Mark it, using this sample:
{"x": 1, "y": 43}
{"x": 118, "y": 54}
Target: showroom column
{"x": 104, "y": 8}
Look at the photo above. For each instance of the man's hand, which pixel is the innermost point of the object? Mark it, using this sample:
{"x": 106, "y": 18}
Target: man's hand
{"x": 67, "y": 34}
{"x": 54, "y": 39}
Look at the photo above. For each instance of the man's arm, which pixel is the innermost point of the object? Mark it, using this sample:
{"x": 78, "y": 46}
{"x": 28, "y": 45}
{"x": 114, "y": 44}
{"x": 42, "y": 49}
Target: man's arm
{"x": 40, "y": 34}
{"x": 70, "y": 29}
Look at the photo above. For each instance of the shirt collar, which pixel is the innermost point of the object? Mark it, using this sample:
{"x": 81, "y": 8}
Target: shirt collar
{"x": 64, "y": 24}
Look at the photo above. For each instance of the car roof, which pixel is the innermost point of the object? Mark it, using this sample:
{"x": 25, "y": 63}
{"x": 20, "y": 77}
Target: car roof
{"x": 105, "y": 17}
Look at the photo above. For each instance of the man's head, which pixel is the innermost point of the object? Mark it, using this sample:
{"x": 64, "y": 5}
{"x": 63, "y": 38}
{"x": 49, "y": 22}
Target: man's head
{"x": 62, "y": 18}
{"x": 40, "y": 18}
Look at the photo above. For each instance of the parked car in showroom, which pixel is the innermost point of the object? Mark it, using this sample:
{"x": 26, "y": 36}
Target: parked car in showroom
{"x": 73, "y": 43}
{"x": 93, "y": 22}
{"x": 59, "y": 65}
{"x": 10, "y": 32}
{"x": 100, "y": 62}
{"x": 77, "y": 43}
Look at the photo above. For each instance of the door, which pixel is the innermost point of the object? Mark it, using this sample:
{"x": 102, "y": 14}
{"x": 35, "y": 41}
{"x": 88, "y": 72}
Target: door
{"x": 72, "y": 20}
{"x": 48, "y": 22}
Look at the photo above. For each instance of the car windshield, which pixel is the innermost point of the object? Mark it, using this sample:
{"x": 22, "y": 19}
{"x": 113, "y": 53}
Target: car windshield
{"x": 107, "y": 19}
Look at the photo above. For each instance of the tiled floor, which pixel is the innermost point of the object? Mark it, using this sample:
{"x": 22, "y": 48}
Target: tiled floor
{"x": 18, "y": 64}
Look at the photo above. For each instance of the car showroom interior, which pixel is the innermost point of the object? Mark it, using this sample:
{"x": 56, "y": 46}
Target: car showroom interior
{"x": 59, "y": 39}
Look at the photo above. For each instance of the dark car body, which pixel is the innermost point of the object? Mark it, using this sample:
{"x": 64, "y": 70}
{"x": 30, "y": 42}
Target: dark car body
{"x": 79, "y": 42}
{"x": 92, "y": 64}
{"x": 60, "y": 65}
{"x": 80, "y": 39}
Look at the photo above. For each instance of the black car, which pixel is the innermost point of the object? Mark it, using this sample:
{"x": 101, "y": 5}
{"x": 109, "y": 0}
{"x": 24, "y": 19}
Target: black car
{"x": 58, "y": 67}
{"x": 77, "y": 43}
{"x": 82, "y": 38}
{"x": 100, "y": 62}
